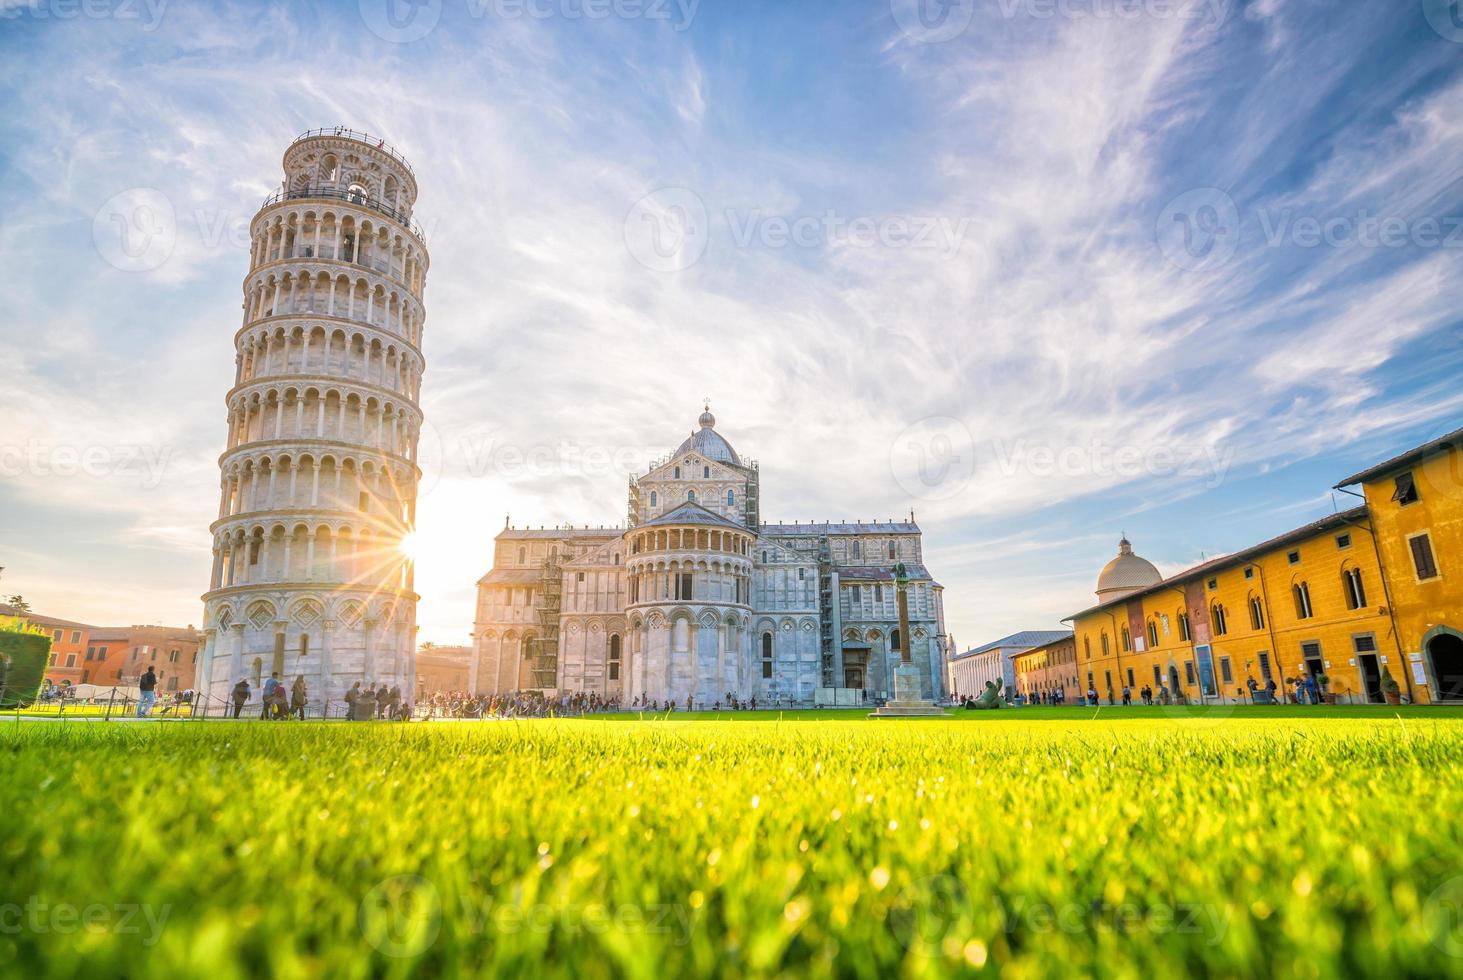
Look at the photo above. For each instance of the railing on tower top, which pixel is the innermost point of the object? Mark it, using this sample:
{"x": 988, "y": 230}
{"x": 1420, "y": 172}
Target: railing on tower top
{"x": 350, "y": 197}
{"x": 355, "y": 134}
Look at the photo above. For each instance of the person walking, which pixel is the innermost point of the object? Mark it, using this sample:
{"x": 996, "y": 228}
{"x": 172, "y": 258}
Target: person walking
{"x": 147, "y": 688}
{"x": 271, "y": 687}
{"x": 299, "y": 697}
{"x": 241, "y": 695}
{"x": 394, "y": 702}
{"x": 383, "y": 698}
{"x": 1127, "y": 696}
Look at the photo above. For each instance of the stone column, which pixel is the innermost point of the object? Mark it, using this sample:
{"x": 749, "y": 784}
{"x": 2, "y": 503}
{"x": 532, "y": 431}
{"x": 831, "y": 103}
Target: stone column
{"x": 721, "y": 631}
{"x": 202, "y": 682}
{"x": 322, "y": 692}
{"x": 368, "y": 665}
{"x": 236, "y": 659}
{"x": 836, "y": 627}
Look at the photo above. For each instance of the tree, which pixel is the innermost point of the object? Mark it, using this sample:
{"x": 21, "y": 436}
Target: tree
{"x": 18, "y": 601}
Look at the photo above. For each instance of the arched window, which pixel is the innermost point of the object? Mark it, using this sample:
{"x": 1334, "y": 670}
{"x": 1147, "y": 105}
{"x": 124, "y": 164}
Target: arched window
{"x": 1217, "y": 612}
{"x": 894, "y": 640}
{"x": 1087, "y": 646}
{"x": 614, "y": 656}
{"x": 892, "y": 550}
{"x": 691, "y": 495}
{"x": 731, "y": 498}
{"x": 1184, "y": 626}
{"x": 767, "y": 656}
{"x": 1257, "y": 613}
{"x": 706, "y": 472}
{"x": 1152, "y": 633}
{"x": 652, "y": 498}
{"x": 1352, "y": 586}
{"x": 1302, "y": 592}
{"x": 1106, "y": 644}
{"x": 523, "y": 556}
{"x": 856, "y": 549}
{"x": 678, "y": 472}
{"x": 1127, "y": 640}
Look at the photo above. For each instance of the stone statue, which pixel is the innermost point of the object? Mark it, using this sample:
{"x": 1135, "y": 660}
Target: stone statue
{"x": 991, "y": 699}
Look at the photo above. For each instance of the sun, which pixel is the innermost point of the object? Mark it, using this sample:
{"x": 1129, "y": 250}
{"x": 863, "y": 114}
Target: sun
{"x": 411, "y": 545}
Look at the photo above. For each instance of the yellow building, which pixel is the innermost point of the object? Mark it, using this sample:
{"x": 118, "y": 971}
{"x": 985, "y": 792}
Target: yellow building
{"x": 1361, "y": 597}
{"x": 1415, "y": 502}
{"x": 1050, "y": 670}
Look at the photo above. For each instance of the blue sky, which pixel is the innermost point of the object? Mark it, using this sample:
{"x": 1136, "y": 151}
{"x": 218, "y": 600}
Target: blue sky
{"x": 1043, "y": 271}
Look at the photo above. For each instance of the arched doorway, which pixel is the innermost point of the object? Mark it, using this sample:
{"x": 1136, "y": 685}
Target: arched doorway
{"x": 1444, "y": 649}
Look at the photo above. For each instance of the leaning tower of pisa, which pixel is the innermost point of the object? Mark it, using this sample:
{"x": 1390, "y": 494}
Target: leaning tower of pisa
{"x": 319, "y": 475}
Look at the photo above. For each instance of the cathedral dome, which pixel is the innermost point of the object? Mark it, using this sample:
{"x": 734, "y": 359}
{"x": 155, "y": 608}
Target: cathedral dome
{"x": 1126, "y": 573}
{"x": 708, "y": 442}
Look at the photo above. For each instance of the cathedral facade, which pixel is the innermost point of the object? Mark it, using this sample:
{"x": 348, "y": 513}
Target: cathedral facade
{"x": 696, "y": 597}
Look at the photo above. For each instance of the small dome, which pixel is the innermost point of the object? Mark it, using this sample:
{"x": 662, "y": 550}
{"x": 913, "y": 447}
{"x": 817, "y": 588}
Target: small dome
{"x": 1125, "y": 574}
{"x": 708, "y": 442}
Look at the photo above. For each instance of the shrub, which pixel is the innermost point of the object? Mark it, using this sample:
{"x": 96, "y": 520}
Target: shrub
{"x": 23, "y": 657}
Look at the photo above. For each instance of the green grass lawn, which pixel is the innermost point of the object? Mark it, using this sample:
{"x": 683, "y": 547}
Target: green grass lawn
{"x": 1030, "y": 843}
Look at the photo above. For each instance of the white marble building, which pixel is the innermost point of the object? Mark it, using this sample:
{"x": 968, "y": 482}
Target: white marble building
{"x": 319, "y": 473}
{"x": 697, "y": 596}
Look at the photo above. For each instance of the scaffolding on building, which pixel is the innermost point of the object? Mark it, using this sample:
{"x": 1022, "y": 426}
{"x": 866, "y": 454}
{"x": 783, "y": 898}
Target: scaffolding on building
{"x": 546, "y": 653}
{"x": 751, "y": 500}
{"x": 826, "y": 598}
{"x": 633, "y": 520}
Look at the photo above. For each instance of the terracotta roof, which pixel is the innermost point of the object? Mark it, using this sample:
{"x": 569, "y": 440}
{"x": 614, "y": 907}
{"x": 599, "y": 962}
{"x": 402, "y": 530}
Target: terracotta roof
{"x": 512, "y": 576}
{"x": 561, "y": 533}
{"x": 692, "y": 513}
{"x": 826, "y": 528}
{"x": 1024, "y": 640}
{"x": 1450, "y": 441}
{"x": 880, "y": 573}
{"x": 1342, "y": 519}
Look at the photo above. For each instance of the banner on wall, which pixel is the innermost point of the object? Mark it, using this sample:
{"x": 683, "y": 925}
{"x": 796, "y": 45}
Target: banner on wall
{"x": 1205, "y": 655}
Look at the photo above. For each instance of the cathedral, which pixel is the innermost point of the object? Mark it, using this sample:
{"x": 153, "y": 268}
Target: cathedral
{"x": 696, "y": 597}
